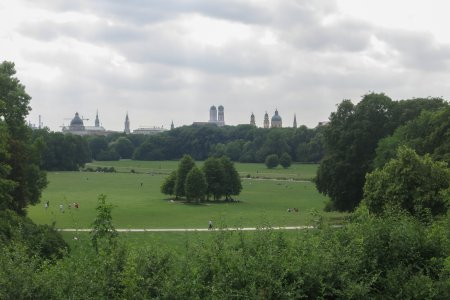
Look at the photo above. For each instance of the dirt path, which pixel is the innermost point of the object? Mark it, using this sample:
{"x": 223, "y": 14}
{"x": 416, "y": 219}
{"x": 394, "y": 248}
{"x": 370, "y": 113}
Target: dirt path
{"x": 188, "y": 229}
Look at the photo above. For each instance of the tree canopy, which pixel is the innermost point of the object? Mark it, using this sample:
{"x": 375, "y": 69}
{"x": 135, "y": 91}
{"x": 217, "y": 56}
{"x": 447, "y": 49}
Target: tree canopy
{"x": 411, "y": 183}
{"x": 21, "y": 180}
{"x": 351, "y": 138}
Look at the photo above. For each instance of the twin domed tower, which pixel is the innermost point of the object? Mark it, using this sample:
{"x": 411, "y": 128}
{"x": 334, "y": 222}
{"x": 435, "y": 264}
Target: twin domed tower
{"x": 217, "y": 116}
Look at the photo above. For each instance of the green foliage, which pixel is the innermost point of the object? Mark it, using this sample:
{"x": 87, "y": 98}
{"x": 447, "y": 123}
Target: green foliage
{"x": 285, "y": 160}
{"x": 272, "y": 161}
{"x": 195, "y": 185}
{"x": 168, "y": 185}
{"x": 232, "y": 185}
{"x": 102, "y": 227}
{"x": 426, "y": 134}
{"x": 123, "y": 147}
{"x": 41, "y": 240}
{"x": 61, "y": 152}
{"x": 417, "y": 185}
{"x": 185, "y": 165}
{"x": 395, "y": 257}
{"x": 214, "y": 174}
{"x": 351, "y": 138}
{"x": 242, "y": 143}
{"x": 21, "y": 180}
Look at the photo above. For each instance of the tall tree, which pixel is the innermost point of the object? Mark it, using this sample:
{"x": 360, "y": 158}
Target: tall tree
{"x": 411, "y": 183}
{"x": 214, "y": 173}
{"x": 185, "y": 165}
{"x": 232, "y": 184}
{"x": 350, "y": 140}
{"x": 21, "y": 180}
{"x": 195, "y": 185}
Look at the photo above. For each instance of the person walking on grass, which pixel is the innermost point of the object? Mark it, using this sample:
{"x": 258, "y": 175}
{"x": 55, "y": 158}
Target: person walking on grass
{"x": 210, "y": 225}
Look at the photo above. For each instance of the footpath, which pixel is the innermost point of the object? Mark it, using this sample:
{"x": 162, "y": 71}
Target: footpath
{"x": 191, "y": 229}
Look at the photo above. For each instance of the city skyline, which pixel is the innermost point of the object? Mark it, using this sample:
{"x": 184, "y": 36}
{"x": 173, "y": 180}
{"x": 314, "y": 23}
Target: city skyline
{"x": 165, "y": 61}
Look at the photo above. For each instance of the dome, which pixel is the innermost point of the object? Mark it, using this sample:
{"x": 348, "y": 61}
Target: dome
{"x": 276, "y": 117}
{"x": 220, "y": 107}
{"x": 212, "y": 108}
{"x": 76, "y": 121}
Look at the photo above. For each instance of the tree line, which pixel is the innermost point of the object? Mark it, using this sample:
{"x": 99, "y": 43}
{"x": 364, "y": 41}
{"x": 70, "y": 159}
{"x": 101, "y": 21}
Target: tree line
{"x": 242, "y": 143}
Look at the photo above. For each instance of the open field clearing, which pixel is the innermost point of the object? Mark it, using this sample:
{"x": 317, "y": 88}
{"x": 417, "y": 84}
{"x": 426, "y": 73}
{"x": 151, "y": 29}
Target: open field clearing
{"x": 143, "y": 206}
{"x": 295, "y": 172}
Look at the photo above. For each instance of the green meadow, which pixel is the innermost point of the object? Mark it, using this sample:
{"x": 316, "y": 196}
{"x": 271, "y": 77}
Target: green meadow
{"x": 254, "y": 170}
{"x": 138, "y": 203}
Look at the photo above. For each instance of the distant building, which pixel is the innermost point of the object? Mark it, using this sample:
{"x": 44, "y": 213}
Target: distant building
{"x": 252, "y": 120}
{"x": 77, "y": 127}
{"x": 149, "y": 130}
{"x": 266, "y": 120}
{"x": 276, "y": 121}
{"x": 172, "y": 126}
{"x": 127, "y": 125}
{"x": 295, "y": 122}
{"x": 216, "y": 117}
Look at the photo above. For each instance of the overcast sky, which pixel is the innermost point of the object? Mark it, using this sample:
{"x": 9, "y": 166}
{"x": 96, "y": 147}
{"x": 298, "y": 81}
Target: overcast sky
{"x": 171, "y": 60}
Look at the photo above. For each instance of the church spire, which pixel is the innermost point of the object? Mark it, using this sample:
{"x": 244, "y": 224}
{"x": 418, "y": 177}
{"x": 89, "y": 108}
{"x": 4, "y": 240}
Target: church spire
{"x": 172, "y": 126}
{"x": 127, "y": 125}
{"x": 295, "y": 121}
{"x": 97, "y": 121}
{"x": 252, "y": 120}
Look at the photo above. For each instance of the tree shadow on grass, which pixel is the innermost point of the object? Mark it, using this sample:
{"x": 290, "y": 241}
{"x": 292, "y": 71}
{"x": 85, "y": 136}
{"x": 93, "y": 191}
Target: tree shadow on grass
{"x": 202, "y": 203}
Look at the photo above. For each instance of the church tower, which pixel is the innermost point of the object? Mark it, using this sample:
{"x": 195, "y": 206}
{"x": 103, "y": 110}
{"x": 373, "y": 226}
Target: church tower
{"x": 221, "y": 116}
{"x": 213, "y": 114}
{"x": 127, "y": 125}
{"x": 252, "y": 120}
{"x": 97, "y": 121}
{"x": 172, "y": 126}
{"x": 295, "y": 121}
{"x": 266, "y": 120}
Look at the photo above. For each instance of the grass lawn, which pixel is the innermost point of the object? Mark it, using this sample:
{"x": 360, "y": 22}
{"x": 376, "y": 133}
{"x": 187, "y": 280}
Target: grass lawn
{"x": 261, "y": 202}
{"x": 296, "y": 171}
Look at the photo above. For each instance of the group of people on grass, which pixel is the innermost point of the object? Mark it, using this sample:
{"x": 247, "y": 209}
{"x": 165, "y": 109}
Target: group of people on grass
{"x": 61, "y": 206}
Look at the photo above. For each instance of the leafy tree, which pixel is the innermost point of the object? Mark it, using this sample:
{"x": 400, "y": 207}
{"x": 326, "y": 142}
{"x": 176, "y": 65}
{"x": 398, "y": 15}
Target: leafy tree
{"x": 102, "y": 227}
{"x": 21, "y": 180}
{"x": 285, "y": 160}
{"x": 124, "y": 147}
{"x": 232, "y": 184}
{"x": 185, "y": 165}
{"x": 427, "y": 133}
{"x": 272, "y": 161}
{"x": 350, "y": 141}
{"x": 97, "y": 144}
{"x": 214, "y": 174}
{"x": 109, "y": 154}
{"x": 411, "y": 183}
{"x": 195, "y": 185}
{"x": 168, "y": 186}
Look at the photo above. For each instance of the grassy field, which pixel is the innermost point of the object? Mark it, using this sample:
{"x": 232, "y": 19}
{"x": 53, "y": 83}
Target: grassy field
{"x": 295, "y": 172}
{"x": 261, "y": 201}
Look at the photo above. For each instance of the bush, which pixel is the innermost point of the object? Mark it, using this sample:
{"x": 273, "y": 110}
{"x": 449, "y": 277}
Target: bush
{"x": 285, "y": 160}
{"x": 272, "y": 161}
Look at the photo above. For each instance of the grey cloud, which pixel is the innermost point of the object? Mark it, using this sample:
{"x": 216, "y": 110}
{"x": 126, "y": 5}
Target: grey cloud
{"x": 418, "y": 50}
{"x": 150, "y": 11}
{"x": 157, "y": 45}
